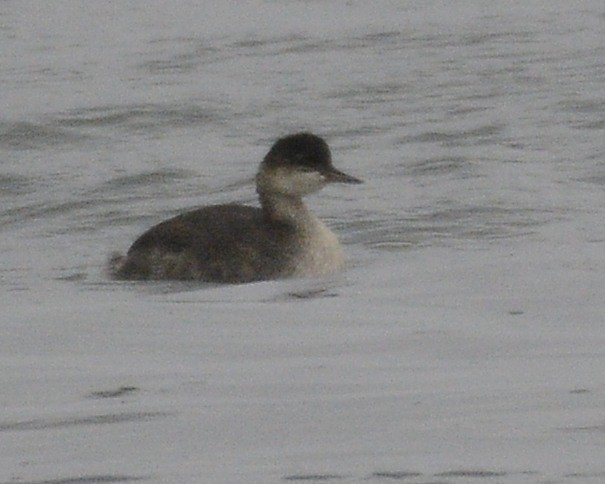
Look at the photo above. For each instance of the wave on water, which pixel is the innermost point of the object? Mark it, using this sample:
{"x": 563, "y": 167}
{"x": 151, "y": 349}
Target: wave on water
{"x": 24, "y": 135}
{"x": 104, "y": 205}
{"x": 81, "y": 126}
{"x": 140, "y": 116}
{"x": 12, "y": 185}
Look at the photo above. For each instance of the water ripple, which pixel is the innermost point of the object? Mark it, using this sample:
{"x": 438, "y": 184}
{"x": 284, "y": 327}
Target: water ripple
{"x": 445, "y": 225}
{"x": 85, "y": 479}
{"x": 112, "y": 418}
{"x": 11, "y": 185}
{"x": 23, "y": 135}
{"x": 480, "y": 135}
{"x": 140, "y": 116}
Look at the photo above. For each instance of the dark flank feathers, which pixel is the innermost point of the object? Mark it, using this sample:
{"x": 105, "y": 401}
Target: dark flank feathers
{"x": 221, "y": 243}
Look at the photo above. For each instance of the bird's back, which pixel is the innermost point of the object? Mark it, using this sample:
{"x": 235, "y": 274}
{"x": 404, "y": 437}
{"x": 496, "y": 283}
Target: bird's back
{"x": 220, "y": 243}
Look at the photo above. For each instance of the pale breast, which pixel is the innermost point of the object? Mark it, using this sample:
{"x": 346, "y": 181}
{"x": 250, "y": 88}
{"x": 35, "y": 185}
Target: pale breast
{"x": 321, "y": 250}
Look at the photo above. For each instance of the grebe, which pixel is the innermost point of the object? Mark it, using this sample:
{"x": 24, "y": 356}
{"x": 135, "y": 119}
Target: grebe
{"x": 238, "y": 243}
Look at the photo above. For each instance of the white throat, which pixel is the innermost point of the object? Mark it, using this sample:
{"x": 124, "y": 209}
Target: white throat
{"x": 289, "y": 181}
{"x": 281, "y": 191}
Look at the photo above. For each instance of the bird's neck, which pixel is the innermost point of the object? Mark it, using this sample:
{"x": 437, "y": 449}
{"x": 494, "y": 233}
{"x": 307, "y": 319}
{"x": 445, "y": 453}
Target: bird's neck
{"x": 283, "y": 208}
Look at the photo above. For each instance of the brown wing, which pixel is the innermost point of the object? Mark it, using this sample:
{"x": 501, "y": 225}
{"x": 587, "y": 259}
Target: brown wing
{"x": 223, "y": 243}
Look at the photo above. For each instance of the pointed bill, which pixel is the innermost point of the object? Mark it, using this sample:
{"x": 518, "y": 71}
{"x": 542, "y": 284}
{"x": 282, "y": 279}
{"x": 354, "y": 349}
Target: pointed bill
{"x": 337, "y": 176}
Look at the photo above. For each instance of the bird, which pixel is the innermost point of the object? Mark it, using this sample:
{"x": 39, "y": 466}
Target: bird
{"x": 233, "y": 243}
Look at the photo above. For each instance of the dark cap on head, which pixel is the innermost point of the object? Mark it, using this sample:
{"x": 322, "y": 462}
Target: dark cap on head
{"x": 306, "y": 150}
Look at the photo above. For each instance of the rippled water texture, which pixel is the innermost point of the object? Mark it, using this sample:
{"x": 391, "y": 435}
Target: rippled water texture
{"x": 463, "y": 342}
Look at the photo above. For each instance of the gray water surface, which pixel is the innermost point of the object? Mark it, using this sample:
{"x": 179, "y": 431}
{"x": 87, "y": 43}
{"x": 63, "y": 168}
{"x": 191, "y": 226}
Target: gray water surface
{"x": 464, "y": 341}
